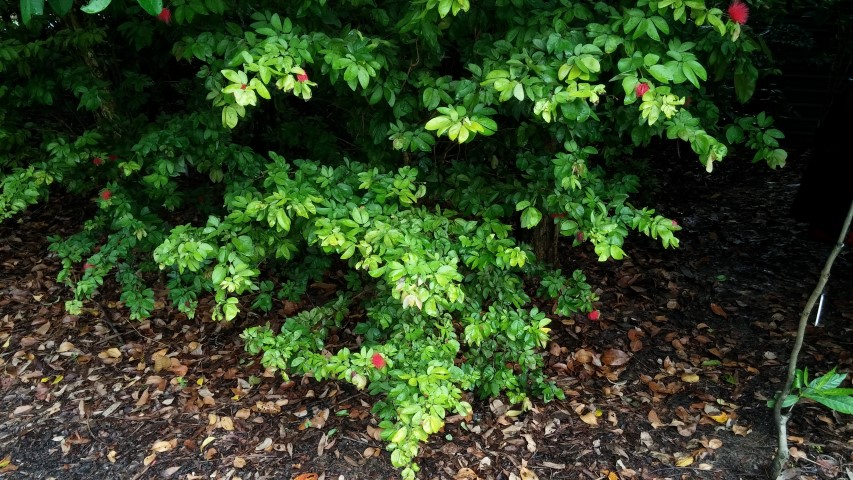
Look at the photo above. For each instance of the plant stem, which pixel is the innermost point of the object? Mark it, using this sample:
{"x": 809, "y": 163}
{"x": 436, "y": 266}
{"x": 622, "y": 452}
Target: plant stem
{"x": 781, "y": 457}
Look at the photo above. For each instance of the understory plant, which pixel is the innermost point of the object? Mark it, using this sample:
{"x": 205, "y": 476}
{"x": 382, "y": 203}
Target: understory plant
{"x": 429, "y": 150}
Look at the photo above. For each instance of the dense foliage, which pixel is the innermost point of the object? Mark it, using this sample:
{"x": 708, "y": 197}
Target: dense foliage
{"x": 241, "y": 151}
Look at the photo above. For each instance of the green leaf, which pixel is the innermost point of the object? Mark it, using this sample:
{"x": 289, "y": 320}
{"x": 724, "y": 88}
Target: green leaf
{"x": 439, "y": 123}
{"x": 661, "y": 73}
{"x": 839, "y": 404}
{"x": 153, "y": 7}
{"x": 61, "y": 7}
{"x": 530, "y": 217}
{"x": 30, "y": 9}
{"x": 96, "y": 6}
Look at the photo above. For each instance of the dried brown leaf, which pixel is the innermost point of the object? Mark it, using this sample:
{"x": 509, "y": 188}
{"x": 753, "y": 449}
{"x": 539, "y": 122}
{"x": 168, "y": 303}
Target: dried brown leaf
{"x": 718, "y": 310}
{"x": 614, "y": 357}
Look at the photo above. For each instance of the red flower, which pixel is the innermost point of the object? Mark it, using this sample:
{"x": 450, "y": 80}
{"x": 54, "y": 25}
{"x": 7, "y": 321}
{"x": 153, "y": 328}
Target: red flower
{"x": 302, "y": 77}
{"x": 579, "y": 236}
{"x": 87, "y": 266}
{"x": 242, "y": 86}
{"x": 378, "y": 360}
{"x": 97, "y": 161}
{"x": 593, "y": 315}
{"x": 739, "y": 12}
{"x": 106, "y": 194}
{"x": 165, "y": 16}
{"x": 641, "y": 89}
{"x": 112, "y": 158}
{"x": 674, "y": 223}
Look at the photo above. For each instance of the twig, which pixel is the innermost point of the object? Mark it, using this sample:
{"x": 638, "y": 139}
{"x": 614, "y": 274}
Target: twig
{"x": 781, "y": 419}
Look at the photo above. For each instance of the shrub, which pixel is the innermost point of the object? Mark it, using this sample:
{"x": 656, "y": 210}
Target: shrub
{"x": 251, "y": 146}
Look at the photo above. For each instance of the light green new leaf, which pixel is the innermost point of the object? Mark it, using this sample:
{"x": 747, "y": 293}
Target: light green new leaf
{"x": 530, "y": 217}
{"x": 96, "y": 6}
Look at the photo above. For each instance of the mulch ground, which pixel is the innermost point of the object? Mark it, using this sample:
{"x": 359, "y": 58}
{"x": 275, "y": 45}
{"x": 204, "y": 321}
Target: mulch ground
{"x": 671, "y": 383}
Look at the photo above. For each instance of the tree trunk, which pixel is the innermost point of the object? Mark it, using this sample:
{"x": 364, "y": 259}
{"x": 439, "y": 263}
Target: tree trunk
{"x": 543, "y": 239}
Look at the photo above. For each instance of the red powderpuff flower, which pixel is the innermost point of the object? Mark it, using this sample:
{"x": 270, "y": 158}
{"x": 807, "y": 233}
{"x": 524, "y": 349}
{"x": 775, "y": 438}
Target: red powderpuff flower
{"x": 106, "y": 194}
{"x": 641, "y": 89}
{"x": 302, "y": 77}
{"x": 97, "y": 161}
{"x": 594, "y": 315}
{"x": 378, "y": 360}
{"x": 165, "y": 16}
{"x": 87, "y": 266}
{"x": 739, "y": 12}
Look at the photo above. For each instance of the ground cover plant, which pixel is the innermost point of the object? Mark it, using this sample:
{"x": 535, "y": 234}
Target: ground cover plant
{"x": 423, "y": 155}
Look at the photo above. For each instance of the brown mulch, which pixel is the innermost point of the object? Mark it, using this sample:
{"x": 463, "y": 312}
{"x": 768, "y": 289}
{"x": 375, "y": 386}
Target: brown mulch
{"x": 671, "y": 382}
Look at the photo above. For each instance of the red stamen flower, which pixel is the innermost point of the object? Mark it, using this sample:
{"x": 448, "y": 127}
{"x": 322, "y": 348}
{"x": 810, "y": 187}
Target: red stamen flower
{"x": 594, "y": 315}
{"x": 739, "y": 12}
{"x": 97, "y": 161}
{"x": 378, "y": 360}
{"x": 87, "y": 266}
{"x": 641, "y": 89}
{"x": 106, "y": 194}
{"x": 165, "y": 16}
{"x": 302, "y": 77}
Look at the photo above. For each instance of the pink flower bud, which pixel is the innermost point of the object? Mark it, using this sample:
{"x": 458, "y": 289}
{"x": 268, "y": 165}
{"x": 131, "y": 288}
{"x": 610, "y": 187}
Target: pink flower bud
{"x": 165, "y": 16}
{"x": 106, "y": 194}
{"x": 594, "y": 315}
{"x": 641, "y": 89}
{"x": 302, "y": 77}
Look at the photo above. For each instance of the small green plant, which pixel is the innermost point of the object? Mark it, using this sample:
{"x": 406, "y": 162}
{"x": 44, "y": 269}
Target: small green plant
{"x": 824, "y": 390}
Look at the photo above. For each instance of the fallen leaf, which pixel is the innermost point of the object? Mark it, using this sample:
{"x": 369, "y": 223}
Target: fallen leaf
{"x": 527, "y": 474}
{"x": 171, "y": 471}
{"x": 111, "y": 456}
{"x": 684, "y": 461}
{"x": 654, "y": 419}
{"x": 797, "y": 453}
{"x": 161, "y": 362}
{"x": 22, "y": 409}
{"x": 239, "y": 462}
{"x": 614, "y": 357}
{"x": 162, "y": 446}
{"x": 226, "y": 423}
{"x": 266, "y": 444}
{"x": 466, "y": 474}
{"x": 690, "y": 377}
{"x": 149, "y": 459}
{"x": 207, "y": 441}
{"x": 589, "y": 418}
{"x": 306, "y": 476}
{"x": 742, "y": 431}
{"x": 715, "y": 443}
{"x": 718, "y": 310}
{"x": 721, "y": 418}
